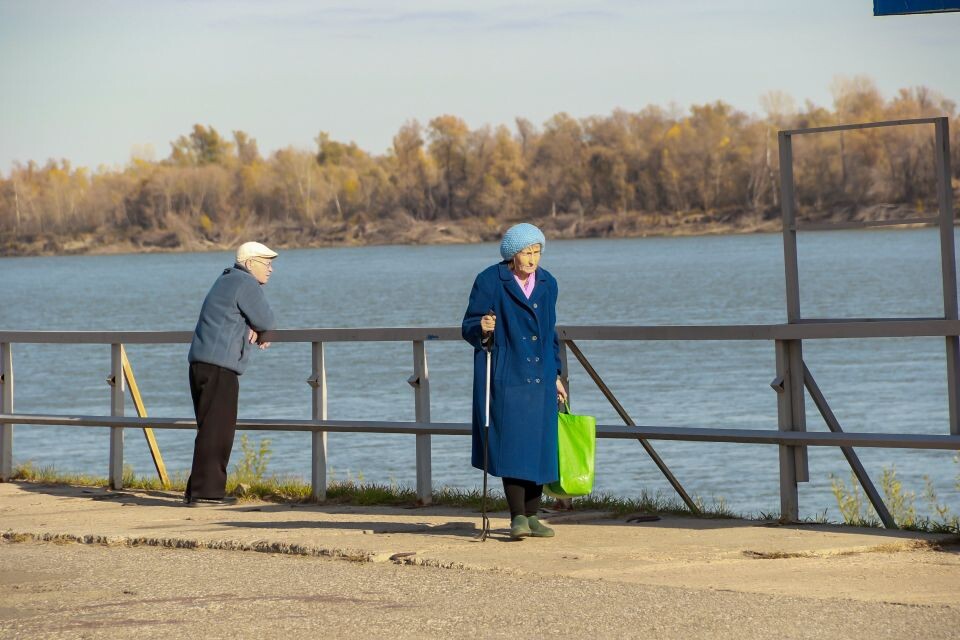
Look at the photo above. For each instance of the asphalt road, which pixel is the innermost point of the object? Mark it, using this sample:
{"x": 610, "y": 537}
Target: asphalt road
{"x": 50, "y": 590}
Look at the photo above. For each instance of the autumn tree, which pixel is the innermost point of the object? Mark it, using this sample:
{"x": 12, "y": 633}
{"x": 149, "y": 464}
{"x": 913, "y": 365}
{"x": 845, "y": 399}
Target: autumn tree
{"x": 447, "y": 136}
{"x": 558, "y": 178}
{"x": 201, "y": 147}
{"x": 413, "y": 173}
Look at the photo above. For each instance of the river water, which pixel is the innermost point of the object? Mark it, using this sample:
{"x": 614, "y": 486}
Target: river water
{"x": 882, "y": 385}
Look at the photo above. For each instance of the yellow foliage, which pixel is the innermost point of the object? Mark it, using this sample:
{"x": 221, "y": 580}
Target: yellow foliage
{"x": 674, "y": 131}
{"x": 350, "y": 186}
{"x": 58, "y": 175}
{"x": 206, "y": 223}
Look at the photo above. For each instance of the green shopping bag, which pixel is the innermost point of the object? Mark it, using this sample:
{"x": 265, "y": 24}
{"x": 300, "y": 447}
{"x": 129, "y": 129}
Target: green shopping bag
{"x": 576, "y": 444}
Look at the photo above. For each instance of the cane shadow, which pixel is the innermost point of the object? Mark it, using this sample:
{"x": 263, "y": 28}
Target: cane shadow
{"x": 453, "y": 529}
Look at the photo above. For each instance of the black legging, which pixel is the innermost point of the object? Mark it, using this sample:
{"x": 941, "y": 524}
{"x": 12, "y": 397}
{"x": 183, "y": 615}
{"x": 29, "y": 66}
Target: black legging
{"x": 523, "y": 496}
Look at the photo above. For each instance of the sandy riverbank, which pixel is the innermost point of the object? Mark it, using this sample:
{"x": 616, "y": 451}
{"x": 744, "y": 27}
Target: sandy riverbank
{"x": 402, "y": 229}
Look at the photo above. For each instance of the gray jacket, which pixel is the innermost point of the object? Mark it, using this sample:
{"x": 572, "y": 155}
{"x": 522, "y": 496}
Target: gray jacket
{"x": 234, "y": 305}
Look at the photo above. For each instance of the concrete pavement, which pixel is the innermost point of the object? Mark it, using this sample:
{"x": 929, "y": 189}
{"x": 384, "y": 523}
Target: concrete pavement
{"x": 906, "y": 581}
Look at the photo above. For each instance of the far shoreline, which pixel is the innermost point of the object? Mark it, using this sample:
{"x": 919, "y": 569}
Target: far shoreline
{"x": 409, "y": 232}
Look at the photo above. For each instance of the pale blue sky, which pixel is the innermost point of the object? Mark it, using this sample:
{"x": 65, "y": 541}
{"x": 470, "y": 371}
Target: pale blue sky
{"x": 88, "y": 81}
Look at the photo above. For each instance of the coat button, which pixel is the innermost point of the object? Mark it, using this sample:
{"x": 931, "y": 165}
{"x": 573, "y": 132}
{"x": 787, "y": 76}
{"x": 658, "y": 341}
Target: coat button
{"x": 528, "y": 380}
{"x": 528, "y": 359}
{"x": 538, "y": 380}
{"x": 534, "y": 305}
{"x": 536, "y": 359}
{"x": 534, "y": 338}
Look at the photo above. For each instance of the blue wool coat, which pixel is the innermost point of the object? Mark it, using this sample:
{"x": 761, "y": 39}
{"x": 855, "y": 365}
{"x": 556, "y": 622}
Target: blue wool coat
{"x": 525, "y": 366}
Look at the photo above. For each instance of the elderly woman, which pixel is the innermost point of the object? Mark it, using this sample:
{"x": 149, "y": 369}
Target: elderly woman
{"x": 512, "y": 311}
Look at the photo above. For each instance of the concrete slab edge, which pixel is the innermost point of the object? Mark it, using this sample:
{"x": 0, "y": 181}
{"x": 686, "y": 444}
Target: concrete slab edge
{"x": 259, "y": 546}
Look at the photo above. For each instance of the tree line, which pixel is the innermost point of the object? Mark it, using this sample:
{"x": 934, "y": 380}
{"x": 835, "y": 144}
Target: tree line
{"x": 710, "y": 159}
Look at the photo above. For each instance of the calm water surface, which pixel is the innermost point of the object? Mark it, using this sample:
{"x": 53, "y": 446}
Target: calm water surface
{"x": 888, "y": 385}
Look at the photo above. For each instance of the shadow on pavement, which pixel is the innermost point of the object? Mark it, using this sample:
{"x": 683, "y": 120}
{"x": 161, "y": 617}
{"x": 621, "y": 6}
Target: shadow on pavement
{"x": 459, "y": 529}
{"x": 152, "y": 498}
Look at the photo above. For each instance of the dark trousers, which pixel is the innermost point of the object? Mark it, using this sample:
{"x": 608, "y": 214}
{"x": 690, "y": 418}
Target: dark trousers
{"x": 523, "y": 496}
{"x": 215, "y": 392}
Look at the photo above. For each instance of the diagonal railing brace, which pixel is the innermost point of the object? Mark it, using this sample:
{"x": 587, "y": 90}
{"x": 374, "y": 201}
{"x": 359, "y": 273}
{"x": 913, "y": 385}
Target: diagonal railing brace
{"x": 605, "y": 390}
{"x": 142, "y": 412}
{"x": 848, "y": 452}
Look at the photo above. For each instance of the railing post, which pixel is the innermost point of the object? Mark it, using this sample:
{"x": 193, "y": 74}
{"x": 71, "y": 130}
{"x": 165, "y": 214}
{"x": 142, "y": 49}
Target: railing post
{"x": 6, "y": 406}
{"x": 421, "y": 390}
{"x": 789, "y": 353}
{"x": 798, "y": 406}
{"x": 948, "y": 262}
{"x": 117, "y": 391}
{"x": 318, "y": 460}
{"x": 785, "y": 386}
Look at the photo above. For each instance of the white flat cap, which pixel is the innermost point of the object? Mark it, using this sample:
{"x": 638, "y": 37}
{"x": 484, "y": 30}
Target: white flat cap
{"x": 249, "y": 250}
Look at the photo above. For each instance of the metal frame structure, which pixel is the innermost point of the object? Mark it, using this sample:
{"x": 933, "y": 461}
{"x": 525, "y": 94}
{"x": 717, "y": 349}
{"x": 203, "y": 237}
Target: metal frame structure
{"x": 792, "y": 373}
{"x": 423, "y": 428}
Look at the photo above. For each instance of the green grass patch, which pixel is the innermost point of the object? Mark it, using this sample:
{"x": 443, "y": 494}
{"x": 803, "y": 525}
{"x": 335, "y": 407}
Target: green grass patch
{"x": 352, "y": 492}
{"x": 856, "y": 509}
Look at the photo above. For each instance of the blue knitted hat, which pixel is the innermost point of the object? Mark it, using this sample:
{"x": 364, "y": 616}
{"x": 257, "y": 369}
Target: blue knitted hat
{"x": 519, "y": 237}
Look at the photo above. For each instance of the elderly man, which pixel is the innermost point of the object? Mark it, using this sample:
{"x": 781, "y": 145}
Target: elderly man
{"x": 234, "y": 316}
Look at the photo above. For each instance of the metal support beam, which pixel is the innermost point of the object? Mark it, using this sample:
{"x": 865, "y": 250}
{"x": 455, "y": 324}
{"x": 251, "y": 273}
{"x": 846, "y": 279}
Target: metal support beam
{"x": 318, "y": 394}
{"x": 617, "y": 431}
{"x": 6, "y": 403}
{"x": 117, "y": 392}
{"x": 948, "y": 262}
{"x": 421, "y": 386}
{"x": 798, "y": 408}
{"x": 788, "y": 206}
{"x": 789, "y": 354}
{"x": 141, "y": 408}
{"x": 608, "y": 394}
{"x": 794, "y": 354}
{"x": 806, "y": 329}
{"x": 789, "y": 499}
{"x": 861, "y": 474}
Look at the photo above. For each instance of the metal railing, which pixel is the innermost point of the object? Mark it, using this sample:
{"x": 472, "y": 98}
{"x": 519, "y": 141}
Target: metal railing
{"x": 783, "y": 336}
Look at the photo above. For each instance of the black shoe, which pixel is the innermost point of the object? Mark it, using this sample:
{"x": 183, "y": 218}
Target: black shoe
{"x": 195, "y": 501}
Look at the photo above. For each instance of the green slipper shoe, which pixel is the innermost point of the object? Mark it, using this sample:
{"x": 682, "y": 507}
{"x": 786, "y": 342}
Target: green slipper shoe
{"x": 537, "y": 529}
{"x": 519, "y": 528}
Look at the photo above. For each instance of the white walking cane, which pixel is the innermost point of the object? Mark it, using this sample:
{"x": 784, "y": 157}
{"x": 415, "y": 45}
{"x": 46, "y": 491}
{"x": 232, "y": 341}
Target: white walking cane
{"x": 485, "y": 528}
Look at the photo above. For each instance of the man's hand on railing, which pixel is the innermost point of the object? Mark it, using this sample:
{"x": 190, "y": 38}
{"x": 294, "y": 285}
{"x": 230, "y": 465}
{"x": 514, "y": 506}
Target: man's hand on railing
{"x": 254, "y": 338}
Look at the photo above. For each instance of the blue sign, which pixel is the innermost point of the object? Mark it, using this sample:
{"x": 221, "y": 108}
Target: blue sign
{"x": 901, "y": 7}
